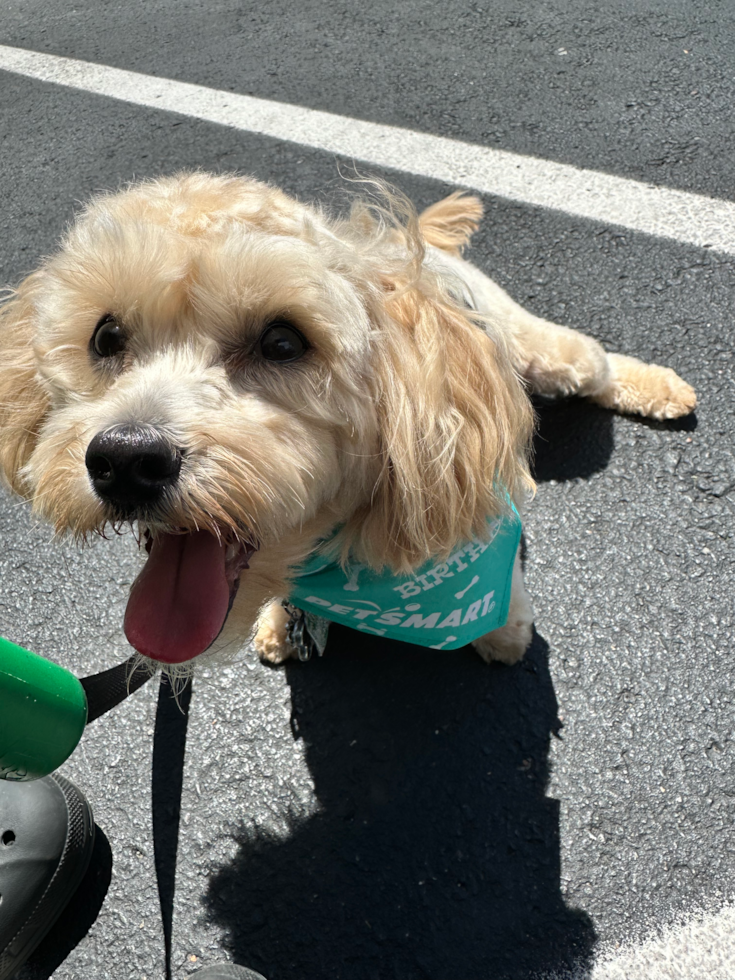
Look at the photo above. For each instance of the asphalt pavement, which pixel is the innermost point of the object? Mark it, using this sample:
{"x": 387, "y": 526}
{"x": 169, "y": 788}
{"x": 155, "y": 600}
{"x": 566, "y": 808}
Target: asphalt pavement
{"x": 390, "y": 811}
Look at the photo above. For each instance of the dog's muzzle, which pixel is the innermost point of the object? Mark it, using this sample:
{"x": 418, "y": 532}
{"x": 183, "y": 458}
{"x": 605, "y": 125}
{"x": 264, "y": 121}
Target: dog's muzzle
{"x": 131, "y": 467}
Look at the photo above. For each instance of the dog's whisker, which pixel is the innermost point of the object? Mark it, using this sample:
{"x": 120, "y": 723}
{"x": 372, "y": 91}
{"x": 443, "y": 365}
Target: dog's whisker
{"x": 140, "y": 663}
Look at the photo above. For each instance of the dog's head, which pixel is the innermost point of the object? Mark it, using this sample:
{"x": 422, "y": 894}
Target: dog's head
{"x": 238, "y": 376}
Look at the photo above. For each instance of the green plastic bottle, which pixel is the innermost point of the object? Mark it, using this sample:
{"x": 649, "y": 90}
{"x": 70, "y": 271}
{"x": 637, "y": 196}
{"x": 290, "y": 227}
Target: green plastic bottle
{"x": 43, "y": 711}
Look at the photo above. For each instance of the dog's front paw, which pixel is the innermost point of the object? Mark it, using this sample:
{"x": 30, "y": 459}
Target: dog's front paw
{"x": 271, "y": 642}
{"x": 507, "y": 644}
{"x": 646, "y": 389}
{"x": 674, "y": 397}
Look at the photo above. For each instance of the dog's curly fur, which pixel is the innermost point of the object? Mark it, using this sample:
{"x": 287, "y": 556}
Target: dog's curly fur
{"x": 402, "y": 425}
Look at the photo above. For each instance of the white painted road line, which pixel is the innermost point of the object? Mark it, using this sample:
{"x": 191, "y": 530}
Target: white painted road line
{"x": 690, "y": 218}
{"x": 701, "y": 947}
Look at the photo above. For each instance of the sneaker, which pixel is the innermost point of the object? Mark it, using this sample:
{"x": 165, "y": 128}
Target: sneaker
{"x": 226, "y": 971}
{"x": 46, "y": 841}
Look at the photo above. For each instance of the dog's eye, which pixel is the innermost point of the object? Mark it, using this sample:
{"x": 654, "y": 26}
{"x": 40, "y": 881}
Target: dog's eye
{"x": 281, "y": 341}
{"x": 108, "y": 338}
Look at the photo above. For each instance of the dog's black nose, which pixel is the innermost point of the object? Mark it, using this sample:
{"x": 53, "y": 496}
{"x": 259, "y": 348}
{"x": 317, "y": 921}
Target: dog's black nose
{"x": 131, "y": 466}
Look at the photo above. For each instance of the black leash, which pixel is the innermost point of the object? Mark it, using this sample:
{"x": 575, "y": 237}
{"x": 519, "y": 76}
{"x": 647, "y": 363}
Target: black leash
{"x": 169, "y": 745}
{"x": 105, "y": 691}
{"x": 108, "y": 688}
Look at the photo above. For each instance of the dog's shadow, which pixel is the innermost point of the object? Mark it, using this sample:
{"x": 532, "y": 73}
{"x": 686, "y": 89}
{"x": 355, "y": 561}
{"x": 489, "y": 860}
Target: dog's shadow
{"x": 435, "y": 853}
{"x": 575, "y": 439}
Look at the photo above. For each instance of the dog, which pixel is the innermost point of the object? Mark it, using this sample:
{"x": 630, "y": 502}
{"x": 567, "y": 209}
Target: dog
{"x": 251, "y": 384}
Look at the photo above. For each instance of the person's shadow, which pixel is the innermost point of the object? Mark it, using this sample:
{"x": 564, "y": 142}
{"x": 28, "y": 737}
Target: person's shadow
{"x": 435, "y": 853}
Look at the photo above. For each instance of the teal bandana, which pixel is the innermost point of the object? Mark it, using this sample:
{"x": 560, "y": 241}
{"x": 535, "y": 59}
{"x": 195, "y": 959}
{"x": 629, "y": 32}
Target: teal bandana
{"x": 444, "y": 605}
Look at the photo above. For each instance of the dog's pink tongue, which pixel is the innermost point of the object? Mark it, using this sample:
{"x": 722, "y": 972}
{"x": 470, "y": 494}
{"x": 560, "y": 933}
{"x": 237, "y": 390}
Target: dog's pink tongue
{"x": 179, "y": 602}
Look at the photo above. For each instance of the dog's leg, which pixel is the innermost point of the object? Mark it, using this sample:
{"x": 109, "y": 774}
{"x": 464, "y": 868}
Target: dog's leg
{"x": 645, "y": 389}
{"x": 557, "y": 360}
{"x": 270, "y": 640}
{"x": 510, "y": 642}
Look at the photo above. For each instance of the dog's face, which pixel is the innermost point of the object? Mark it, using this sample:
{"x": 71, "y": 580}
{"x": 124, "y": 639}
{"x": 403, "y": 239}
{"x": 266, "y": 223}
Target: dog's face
{"x": 236, "y": 376}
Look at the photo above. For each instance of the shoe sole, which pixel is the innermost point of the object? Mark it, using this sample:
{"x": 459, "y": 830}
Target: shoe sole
{"x": 71, "y": 869}
{"x": 226, "y": 971}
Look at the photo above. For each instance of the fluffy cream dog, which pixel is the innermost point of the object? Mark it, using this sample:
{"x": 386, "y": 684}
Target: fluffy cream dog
{"x": 241, "y": 377}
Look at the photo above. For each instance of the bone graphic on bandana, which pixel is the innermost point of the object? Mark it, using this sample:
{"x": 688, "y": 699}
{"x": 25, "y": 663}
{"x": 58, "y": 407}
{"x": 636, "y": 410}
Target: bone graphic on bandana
{"x": 460, "y": 595}
{"x": 352, "y": 585}
{"x": 439, "y": 646}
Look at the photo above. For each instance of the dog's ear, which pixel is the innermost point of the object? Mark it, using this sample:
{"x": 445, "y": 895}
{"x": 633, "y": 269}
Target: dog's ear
{"x": 23, "y": 401}
{"x": 455, "y": 427}
{"x": 450, "y": 223}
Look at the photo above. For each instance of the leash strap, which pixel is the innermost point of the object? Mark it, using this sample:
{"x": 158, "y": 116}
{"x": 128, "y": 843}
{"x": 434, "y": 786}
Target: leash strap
{"x": 105, "y": 691}
{"x": 167, "y": 779}
{"x": 108, "y": 688}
